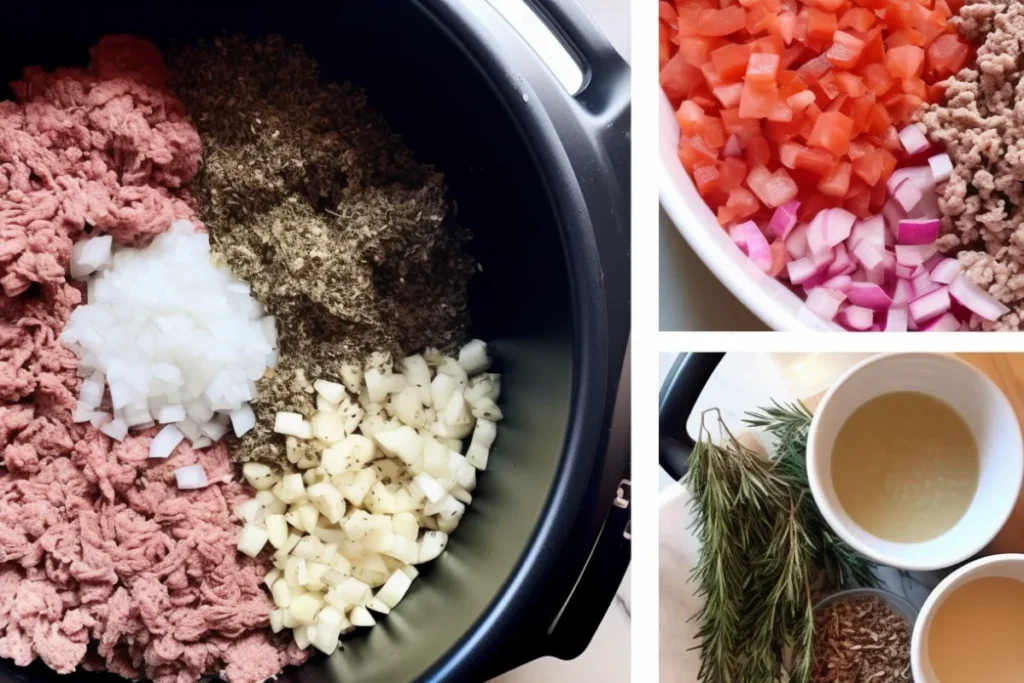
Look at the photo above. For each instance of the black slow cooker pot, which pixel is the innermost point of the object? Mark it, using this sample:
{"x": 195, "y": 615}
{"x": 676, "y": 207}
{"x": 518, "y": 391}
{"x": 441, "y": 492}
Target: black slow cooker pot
{"x": 542, "y": 179}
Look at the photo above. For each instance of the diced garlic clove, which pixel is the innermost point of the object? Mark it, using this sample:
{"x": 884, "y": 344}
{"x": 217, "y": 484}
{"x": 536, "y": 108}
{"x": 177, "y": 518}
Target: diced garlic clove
{"x": 394, "y": 589}
{"x": 259, "y": 476}
{"x": 328, "y": 427}
{"x": 332, "y": 391}
{"x": 360, "y": 616}
{"x": 277, "y": 530}
{"x": 251, "y": 540}
{"x": 417, "y": 372}
{"x": 401, "y": 442}
{"x": 292, "y": 424}
{"x": 431, "y": 545}
{"x": 473, "y": 357}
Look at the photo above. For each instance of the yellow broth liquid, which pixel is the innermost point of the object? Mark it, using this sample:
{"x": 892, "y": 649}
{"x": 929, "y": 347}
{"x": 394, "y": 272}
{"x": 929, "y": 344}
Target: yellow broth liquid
{"x": 977, "y": 633}
{"x": 905, "y": 467}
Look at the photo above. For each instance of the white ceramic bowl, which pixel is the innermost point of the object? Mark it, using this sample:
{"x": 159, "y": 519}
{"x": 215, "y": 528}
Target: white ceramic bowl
{"x": 983, "y": 407}
{"x": 1011, "y": 566}
{"x": 766, "y": 297}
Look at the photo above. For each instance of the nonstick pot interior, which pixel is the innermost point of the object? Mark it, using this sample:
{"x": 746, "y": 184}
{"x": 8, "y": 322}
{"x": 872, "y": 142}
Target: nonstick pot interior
{"x": 431, "y": 94}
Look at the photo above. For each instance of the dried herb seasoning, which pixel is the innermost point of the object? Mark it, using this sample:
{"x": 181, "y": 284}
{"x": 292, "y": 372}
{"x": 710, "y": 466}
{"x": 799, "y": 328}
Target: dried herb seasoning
{"x": 861, "y": 640}
{"x": 313, "y": 200}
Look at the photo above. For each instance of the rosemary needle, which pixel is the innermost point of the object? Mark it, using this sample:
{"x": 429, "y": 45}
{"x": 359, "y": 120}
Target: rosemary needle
{"x": 763, "y": 545}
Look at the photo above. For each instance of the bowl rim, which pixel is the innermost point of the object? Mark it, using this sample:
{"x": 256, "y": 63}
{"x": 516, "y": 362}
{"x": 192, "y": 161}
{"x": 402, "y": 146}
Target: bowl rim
{"x": 690, "y": 226}
{"x": 815, "y": 478}
{"x": 898, "y": 603}
{"x": 941, "y": 591}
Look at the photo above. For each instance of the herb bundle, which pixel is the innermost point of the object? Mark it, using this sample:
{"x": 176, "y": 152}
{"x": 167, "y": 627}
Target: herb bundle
{"x": 764, "y": 543}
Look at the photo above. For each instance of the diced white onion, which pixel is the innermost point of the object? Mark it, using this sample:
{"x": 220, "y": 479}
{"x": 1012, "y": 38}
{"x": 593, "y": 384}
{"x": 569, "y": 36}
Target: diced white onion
{"x": 191, "y": 477}
{"x": 164, "y": 443}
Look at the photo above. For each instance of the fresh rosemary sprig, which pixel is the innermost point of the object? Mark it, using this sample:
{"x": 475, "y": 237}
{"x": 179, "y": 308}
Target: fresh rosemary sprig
{"x": 763, "y": 545}
{"x": 790, "y": 423}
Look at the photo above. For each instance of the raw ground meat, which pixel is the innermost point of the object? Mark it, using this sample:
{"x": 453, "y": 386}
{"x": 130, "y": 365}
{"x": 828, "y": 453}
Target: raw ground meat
{"x": 982, "y": 124}
{"x": 104, "y": 563}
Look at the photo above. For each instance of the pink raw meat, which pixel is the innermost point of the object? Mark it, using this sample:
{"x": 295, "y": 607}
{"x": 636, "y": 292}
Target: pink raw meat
{"x": 104, "y": 563}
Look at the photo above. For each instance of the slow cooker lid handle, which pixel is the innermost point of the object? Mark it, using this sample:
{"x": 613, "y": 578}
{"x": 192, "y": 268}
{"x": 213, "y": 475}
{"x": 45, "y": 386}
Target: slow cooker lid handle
{"x": 678, "y": 397}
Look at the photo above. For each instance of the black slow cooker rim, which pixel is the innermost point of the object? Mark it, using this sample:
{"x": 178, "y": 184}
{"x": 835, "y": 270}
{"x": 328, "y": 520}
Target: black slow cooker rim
{"x": 594, "y": 363}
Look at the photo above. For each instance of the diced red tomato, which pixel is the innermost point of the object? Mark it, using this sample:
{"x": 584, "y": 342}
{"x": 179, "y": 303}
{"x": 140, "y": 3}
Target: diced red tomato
{"x": 837, "y": 184}
{"x": 820, "y": 24}
{"x": 731, "y": 61}
{"x": 905, "y": 61}
{"x": 721, "y": 22}
{"x": 812, "y": 93}
{"x": 845, "y": 51}
{"x": 858, "y": 18}
{"x": 758, "y": 100}
{"x": 947, "y": 55}
{"x": 729, "y": 95}
{"x": 832, "y": 132}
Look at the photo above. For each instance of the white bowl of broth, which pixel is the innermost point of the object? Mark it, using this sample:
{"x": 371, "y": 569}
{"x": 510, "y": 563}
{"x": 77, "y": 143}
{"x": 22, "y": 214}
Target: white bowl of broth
{"x": 971, "y": 628}
{"x": 915, "y": 459}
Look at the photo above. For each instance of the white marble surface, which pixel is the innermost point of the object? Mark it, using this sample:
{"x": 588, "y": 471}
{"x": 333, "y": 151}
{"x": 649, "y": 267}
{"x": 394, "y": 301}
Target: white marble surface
{"x": 607, "y": 659}
{"x": 741, "y": 382}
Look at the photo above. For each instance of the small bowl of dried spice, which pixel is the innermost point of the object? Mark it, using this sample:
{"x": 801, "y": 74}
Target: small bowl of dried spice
{"x": 863, "y": 636}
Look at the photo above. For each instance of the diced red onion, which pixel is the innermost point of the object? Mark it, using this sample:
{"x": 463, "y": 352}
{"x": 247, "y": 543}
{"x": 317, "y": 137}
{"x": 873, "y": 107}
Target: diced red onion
{"x": 867, "y": 254}
{"x": 928, "y": 207}
{"x": 784, "y": 219}
{"x": 904, "y": 271}
{"x": 802, "y": 270}
{"x": 841, "y": 264}
{"x": 738, "y": 235}
{"x": 902, "y": 293}
{"x": 931, "y": 262}
{"x": 923, "y": 284}
{"x": 758, "y": 249}
{"x": 817, "y": 240}
{"x": 908, "y": 194}
{"x": 946, "y": 322}
{"x": 868, "y": 295}
{"x": 892, "y": 214}
{"x": 838, "y": 225}
{"x": 918, "y": 230}
{"x": 824, "y": 302}
{"x": 930, "y": 305}
{"x": 871, "y": 229}
{"x": 914, "y": 254}
{"x": 191, "y": 477}
{"x": 942, "y": 167}
{"x": 796, "y": 243}
{"x": 976, "y": 299}
{"x": 945, "y": 271}
{"x": 896, "y": 320}
{"x": 920, "y": 175}
{"x": 913, "y": 139}
{"x": 839, "y": 283}
{"x": 857, "y": 318}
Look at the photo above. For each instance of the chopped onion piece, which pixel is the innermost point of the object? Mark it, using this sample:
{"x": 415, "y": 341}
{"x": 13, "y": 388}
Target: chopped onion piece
{"x": 191, "y": 477}
{"x": 942, "y": 167}
{"x": 115, "y": 429}
{"x": 913, "y": 140}
{"x": 908, "y": 194}
{"x": 918, "y": 230}
{"x": 242, "y": 420}
{"x": 976, "y": 299}
{"x": 758, "y": 249}
{"x": 856, "y": 318}
{"x": 896, "y": 320}
{"x": 930, "y": 305}
{"x": 868, "y": 295}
